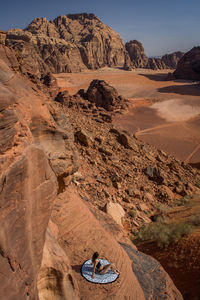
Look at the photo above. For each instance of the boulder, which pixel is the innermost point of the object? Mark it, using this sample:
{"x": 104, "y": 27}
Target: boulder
{"x": 154, "y": 174}
{"x": 103, "y": 95}
{"x": 63, "y": 97}
{"x": 116, "y": 211}
{"x": 84, "y": 137}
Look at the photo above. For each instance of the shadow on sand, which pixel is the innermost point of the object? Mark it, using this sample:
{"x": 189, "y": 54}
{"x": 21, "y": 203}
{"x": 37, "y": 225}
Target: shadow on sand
{"x": 77, "y": 268}
{"x": 190, "y": 89}
{"x": 155, "y": 77}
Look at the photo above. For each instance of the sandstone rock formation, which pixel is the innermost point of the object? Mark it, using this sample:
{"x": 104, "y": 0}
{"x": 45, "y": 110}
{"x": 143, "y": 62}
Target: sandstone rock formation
{"x": 139, "y": 59}
{"x": 70, "y": 43}
{"x": 102, "y": 94}
{"x": 171, "y": 60}
{"x": 189, "y": 65}
{"x": 36, "y": 150}
{"x": 135, "y": 50}
{"x": 156, "y": 64}
{"x": 2, "y": 36}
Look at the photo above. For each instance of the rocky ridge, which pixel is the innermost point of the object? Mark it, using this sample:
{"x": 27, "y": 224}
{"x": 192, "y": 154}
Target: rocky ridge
{"x": 139, "y": 59}
{"x": 69, "y": 43}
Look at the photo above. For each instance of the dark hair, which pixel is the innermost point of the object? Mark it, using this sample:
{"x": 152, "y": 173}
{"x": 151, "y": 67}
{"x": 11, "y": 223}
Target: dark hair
{"x": 95, "y": 256}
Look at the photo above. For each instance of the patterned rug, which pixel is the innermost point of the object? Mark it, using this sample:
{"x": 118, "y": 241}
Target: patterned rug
{"x": 86, "y": 272}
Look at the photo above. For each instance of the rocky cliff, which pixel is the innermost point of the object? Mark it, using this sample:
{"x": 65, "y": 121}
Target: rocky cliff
{"x": 135, "y": 50}
{"x": 70, "y": 43}
{"x": 53, "y": 215}
{"x": 171, "y": 60}
{"x": 189, "y": 65}
{"x": 139, "y": 59}
{"x": 36, "y": 149}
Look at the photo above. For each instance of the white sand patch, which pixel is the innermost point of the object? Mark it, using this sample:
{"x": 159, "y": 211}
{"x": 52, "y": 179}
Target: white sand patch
{"x": 175, "y": 110}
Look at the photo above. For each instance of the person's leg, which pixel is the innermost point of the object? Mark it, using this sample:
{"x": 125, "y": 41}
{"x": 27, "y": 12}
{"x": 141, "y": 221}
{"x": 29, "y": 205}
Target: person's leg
{"x": 114, "y": 269}
{"x": 108, "y": 267}
{"x": 105, "y": 269}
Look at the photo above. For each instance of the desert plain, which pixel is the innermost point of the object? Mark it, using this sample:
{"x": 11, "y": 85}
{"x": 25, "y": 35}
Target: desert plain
{"x": 163, "y": 113}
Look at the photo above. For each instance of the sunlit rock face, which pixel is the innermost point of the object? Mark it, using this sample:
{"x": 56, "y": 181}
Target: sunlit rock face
{"x": 70, "y": 43}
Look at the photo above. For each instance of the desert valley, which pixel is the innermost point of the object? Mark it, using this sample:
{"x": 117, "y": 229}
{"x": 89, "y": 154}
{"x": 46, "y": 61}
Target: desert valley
{"x": 99, "y": 151}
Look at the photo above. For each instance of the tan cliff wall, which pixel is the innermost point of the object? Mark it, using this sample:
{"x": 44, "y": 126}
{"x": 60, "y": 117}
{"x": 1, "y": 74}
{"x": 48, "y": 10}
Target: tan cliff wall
{"x": 30, "y": 164}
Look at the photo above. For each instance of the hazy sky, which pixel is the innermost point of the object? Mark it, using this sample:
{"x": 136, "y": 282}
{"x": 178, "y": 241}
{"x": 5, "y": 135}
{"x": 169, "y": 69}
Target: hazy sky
{"x": 162, "y": 26}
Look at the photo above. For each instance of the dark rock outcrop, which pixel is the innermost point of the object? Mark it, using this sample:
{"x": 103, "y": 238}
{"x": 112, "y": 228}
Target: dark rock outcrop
{"x": 102, "y": 94}
{"x": 189, "y": 65}
{"x": 70, "y": 43}
{"x": 171, "y": 60}
{"x": 156, "y": 64}
{"x": 135, "y": 50}
{"x": 147, "y": 269}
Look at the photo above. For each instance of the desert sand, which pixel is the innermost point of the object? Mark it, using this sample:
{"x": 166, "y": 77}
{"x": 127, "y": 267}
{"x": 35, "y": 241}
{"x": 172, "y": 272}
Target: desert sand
{"x": 163, "y": 113}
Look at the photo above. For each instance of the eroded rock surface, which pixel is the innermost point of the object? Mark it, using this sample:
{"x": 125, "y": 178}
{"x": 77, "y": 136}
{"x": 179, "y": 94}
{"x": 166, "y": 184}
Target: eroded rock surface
{"x": 136, "y": 53}
{"x": 69, "y": 43}
{"x": 171, "y": 60}
{"x": 35, "y": 151}
{"x": 102, "y": 94}
{"x": 139, "y": 59}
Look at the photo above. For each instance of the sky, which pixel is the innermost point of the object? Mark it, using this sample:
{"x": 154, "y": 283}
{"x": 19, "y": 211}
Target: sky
{"x": 162, "y": 26}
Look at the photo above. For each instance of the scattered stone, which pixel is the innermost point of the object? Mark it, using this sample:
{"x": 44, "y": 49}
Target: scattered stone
{"x": 105, "y": 151}
{"x": 149, "y": 198}
{"x": 106, "y": 117}
{"x": 143, "y": 207}
{"x": 84, "y": 137}
{"x": 133, "y": 192}
{"x": 63, "y": 97}
{"x": 154, "y": 174}
{"x": 166, "y": 190}
{"x": 124, "y": 140}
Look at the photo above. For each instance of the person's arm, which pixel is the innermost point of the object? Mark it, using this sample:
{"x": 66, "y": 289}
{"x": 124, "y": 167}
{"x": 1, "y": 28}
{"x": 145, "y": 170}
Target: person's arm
{"x": 93, "y": 269}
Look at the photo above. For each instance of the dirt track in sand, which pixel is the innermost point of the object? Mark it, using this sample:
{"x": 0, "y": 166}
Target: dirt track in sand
{"x": 164, "y": 113}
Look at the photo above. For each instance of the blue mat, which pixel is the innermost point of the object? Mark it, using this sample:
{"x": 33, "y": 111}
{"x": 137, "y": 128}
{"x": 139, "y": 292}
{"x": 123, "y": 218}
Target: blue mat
{"x": 86, "y": 271}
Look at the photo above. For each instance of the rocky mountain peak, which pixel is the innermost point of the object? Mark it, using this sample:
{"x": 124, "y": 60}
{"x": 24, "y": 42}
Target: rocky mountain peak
{"x": 69, "y": 43}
